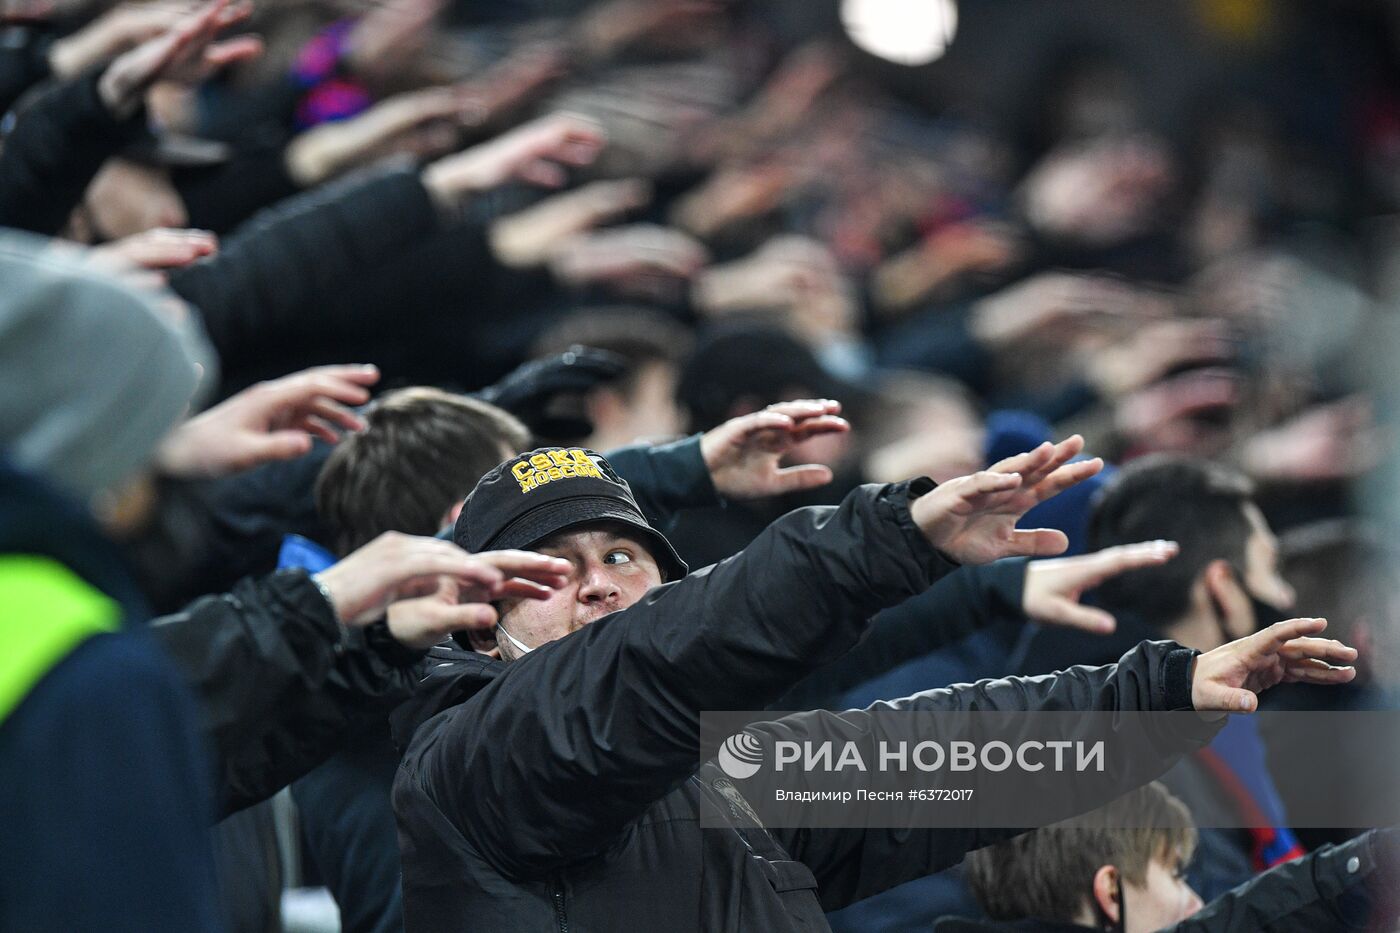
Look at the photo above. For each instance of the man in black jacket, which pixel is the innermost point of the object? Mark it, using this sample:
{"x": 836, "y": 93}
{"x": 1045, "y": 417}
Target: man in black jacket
{"x": 560, "y": 790}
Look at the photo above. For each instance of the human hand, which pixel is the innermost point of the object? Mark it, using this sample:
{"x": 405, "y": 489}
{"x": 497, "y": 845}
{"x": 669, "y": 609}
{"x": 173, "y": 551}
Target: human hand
{"x": 1052, "y": 588}
{"x": 397, "y": 566}
{"x": 456, "y": 605}
{"x": 269, "y": 421}
{"x": 1228, "y": 679}
{"x": 390, "y": 37}
{"x": 1181, "y": 413}
{"x": 640, "y": 260}
{"x": 743, "y": 454}
{"x": 159, "y": 249}
{"x": 533, "y": 152}
{"x": 972, "y": 519}
{"x": 795, "y": 275}
{"x": 1151, "y": 351}
{"x": 119, "y": 29}
{"x": 1100, "y": 193}
{"x": 958, "y": 250}
{"x": 1325, "y": 443}
{"x": 185, "y": 53}
{"x": 423, "y": 122}
{"x": 1057, "y": 307}
{"x": 528, "y": 238}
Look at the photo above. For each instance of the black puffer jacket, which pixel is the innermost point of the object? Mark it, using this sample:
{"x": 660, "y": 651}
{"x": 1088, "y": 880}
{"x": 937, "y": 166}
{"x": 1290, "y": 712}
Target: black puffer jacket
{"x": 560, "y": 792}
{"x": 281, "y": 684}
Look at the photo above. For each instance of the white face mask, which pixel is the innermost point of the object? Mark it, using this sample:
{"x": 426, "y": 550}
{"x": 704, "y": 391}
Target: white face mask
{"x": 519, "y": 646}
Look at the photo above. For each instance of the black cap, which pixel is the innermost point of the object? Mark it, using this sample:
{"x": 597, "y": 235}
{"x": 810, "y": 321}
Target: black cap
{"x": 532, "y": 496}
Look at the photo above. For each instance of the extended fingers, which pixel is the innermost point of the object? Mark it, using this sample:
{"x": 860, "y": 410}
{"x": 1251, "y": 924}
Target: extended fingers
{"x": 540, "y": 568}
{"x": 1060, "y": 454}
{"x": 1124, "y": 557}
{"x": 1317, "y": 649}
{"x": 1275, "y": 636}
{"x": 1037, "y": 542}
{"x": 1066, "y": 476}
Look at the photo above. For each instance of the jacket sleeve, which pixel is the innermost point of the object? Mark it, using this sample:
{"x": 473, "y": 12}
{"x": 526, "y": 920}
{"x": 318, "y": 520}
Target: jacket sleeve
{"x": 953, "y": 608}
{"x": 579, "y": 737}
{"x": 1331, "y": 889}
{"x": 666, "y": 478}
{"x": 280, "y": 683}
{"x": 268, "y": 280}
{"x": 852, "y": 864}
{"x": 56, "y": 148}
{"x": 24, "y": 60}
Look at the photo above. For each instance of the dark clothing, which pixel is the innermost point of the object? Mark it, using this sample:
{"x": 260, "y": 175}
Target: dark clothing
{"x": 209, "y": 534}
{"x": 281, "y": 684}
{"x": 588, "y": 746}
{"x": 349, "y": 832}
{"x": 270, "y": 283}
{"x": 1345, "y": 887}
{"x": 55, "y": 150}
{"x": 103, "y": 783}
{"x": 24, "y": 60}
{"x": 956, "y": 606}
{"x": 345, "y": 810}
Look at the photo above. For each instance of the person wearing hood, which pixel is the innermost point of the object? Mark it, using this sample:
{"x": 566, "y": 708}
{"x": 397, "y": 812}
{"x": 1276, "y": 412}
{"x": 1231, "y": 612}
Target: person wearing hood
{"x": 558, "y": 788}
{"x": 102, "y": 778}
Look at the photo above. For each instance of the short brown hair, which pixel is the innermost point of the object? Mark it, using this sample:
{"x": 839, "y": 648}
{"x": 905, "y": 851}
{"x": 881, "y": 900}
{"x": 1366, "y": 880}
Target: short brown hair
{"x": 1048, "y": 874}
{"x": 421, "y": 452}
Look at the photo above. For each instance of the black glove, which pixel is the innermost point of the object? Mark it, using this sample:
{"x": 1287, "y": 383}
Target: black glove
{"x": 539, "y": 392}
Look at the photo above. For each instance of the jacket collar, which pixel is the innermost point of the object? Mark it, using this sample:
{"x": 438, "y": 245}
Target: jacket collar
{"x": 37, "y": 519}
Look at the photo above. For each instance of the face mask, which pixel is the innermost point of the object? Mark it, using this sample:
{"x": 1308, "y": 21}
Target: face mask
{"x": 1265, "y": 614}
{"x": 519, "y": 646}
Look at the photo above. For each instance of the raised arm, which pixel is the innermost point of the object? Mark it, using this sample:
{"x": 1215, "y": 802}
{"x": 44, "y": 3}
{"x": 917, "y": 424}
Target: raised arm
{"x": 617, "y": 704}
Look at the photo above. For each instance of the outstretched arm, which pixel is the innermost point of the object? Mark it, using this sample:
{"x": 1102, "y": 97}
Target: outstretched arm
{"x": 1153, "y": 677}
{"x": 622, "y": 728}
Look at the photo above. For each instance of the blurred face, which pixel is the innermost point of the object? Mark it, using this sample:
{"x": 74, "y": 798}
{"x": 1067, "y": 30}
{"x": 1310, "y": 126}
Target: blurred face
{"x": 1262, "y": 578}
{"x": 652, "y": 403}
{"x": 611, "y": 570}
{"x": 1162, "y": 900}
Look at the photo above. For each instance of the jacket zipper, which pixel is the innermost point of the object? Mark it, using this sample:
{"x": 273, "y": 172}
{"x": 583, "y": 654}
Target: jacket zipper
{"x": 560, "y": 917}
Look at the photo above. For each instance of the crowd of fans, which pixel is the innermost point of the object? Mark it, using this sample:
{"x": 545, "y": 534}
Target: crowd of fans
{"x": 949, "y": 376}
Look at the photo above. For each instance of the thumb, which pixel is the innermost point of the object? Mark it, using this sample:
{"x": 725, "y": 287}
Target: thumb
{"x": 805, "y": 476}
{"x": 1211, "y": 696}
{"x": 1070, "y": 614}
{"x": 278, "y": 445}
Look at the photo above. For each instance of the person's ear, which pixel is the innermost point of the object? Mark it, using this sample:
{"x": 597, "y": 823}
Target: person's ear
{"x": 1106, "y": 890}
{"x": 449, "y": 518}
{"x": 1229, "y": 599}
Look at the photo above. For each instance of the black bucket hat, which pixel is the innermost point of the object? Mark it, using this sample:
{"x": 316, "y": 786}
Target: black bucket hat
{"x": 537, "y": 494}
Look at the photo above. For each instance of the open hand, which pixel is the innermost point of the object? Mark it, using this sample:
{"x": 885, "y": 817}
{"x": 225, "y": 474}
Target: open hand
{"x": 1052, "y": 588}
{"x": 185, "y": 53}
{"x": 743, "y": 454}
{"x": 159, "y": 248}
{"x": 535, "y": 152}
{"x": 269, "y": 421}
{"x": 1228, "y": 679}
{"x": 397, "y": 566}
{"x": 458, "y": 604}
{"x": 972, "y": 519}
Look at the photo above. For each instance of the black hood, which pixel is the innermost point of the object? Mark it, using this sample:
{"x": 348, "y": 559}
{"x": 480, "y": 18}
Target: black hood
{"x": 448, "y": 676}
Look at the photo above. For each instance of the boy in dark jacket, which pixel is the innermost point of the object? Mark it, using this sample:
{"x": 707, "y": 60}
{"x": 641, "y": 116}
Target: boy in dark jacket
{"x": 1122, "y": 867}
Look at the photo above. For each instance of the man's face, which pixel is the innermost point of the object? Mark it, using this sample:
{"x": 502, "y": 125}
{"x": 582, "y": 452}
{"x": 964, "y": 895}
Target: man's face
{"x": 1164, "y": 898}
{"x": 611, "y": 570}
{"x": 1262, "y": 579}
